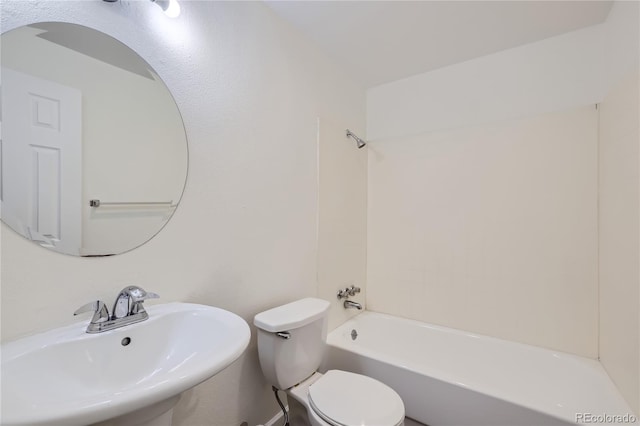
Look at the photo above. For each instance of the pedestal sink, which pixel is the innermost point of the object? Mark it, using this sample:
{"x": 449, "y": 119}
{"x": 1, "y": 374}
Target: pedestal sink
{"x": 68, "y": 377}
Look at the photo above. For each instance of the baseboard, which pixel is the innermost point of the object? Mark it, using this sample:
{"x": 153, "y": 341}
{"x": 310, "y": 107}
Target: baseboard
{"x": 277, "y": 420}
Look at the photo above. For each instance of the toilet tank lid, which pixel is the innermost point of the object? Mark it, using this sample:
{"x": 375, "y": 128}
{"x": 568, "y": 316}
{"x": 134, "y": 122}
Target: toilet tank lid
{"x": 292, "y": 315}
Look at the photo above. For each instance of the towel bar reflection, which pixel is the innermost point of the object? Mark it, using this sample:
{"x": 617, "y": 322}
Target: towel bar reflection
{"x": 98, "y": 203}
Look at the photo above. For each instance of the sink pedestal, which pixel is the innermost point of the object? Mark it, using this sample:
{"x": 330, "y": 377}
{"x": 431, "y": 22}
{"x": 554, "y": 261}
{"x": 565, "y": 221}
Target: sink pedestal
{"x": 158, "y": 414}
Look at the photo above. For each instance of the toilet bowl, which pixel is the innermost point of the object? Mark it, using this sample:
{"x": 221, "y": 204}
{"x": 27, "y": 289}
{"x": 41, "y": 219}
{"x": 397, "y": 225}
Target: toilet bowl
{"x": 340, "y": 398}
{"x": 291, "y": 341}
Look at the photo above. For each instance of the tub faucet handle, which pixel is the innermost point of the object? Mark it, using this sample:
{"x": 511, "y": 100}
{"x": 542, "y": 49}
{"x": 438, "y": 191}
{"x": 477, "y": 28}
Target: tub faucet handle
{"x": 348, "y": 291}
{"x": 343, "y": 293}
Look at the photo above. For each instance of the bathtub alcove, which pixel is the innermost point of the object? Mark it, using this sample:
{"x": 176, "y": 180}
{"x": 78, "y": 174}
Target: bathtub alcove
{"x": 451, "y": 377}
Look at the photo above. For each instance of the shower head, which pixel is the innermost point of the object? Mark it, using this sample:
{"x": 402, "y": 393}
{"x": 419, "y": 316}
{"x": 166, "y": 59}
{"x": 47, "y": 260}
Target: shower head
{"x": 361, "y": 143}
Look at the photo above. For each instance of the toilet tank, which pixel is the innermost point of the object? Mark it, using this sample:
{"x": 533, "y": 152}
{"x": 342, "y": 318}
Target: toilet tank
{"x": 291, "y": 340}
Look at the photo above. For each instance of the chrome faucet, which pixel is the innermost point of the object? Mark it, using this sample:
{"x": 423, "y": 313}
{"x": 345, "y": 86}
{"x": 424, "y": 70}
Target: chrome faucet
{"x": 351, "y": 304}
{"x": 129, "y": 302}
{"x": 348, "y": 292}
{"x": 127, "y": 309}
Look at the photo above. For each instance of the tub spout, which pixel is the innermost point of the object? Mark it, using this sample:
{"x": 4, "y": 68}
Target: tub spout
{"x": 351, "y": 304}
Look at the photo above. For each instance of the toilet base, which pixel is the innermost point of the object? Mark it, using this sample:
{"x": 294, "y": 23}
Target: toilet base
{"x": 298, "y": 414}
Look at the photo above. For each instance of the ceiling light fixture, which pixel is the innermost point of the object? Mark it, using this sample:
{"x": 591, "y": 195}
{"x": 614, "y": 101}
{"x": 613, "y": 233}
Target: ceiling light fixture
{"x": 171, "y": 7}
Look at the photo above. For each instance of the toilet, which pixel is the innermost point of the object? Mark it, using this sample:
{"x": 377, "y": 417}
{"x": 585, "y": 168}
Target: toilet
{"x": 291, "y": 342}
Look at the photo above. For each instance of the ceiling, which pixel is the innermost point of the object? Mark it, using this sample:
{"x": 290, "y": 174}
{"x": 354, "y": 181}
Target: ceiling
{"x": 383, "y": 41}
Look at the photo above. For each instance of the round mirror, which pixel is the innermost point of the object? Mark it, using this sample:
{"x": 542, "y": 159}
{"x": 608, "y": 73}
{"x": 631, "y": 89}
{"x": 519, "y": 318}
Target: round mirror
{"x": 93, "y": 149}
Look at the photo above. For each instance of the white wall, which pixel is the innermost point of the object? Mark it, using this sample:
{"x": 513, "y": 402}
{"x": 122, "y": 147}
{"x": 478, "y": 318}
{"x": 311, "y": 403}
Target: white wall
{"x": 619, "y": 211}
{"x": 491, "y": 229}
{"x": 550, "y": 75}
{"x": 245, "y": 235}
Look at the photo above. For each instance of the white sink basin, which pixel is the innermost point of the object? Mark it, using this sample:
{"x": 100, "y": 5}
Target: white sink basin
{"x": 66, "y": 376}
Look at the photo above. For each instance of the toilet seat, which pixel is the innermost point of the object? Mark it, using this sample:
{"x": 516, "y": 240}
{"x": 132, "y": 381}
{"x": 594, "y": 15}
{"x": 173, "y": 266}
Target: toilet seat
{"x": 345, "y": 399}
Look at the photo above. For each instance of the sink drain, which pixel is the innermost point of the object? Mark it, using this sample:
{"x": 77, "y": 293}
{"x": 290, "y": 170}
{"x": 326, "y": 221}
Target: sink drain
{"x": 125, "y": 341}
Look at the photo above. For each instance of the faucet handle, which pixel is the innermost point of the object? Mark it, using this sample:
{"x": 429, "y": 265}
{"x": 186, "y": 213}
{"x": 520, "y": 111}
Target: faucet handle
{"x": 348, "y": 291}
{"x": 138, "y": 294}
{"x": 99, "y": 309}
{"x": 136, "y": 301}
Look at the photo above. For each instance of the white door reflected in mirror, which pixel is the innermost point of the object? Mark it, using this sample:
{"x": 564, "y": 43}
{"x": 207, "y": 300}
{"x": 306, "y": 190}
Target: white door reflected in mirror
{"x": 85, "y": 119}
{"x": 42, "y": 131}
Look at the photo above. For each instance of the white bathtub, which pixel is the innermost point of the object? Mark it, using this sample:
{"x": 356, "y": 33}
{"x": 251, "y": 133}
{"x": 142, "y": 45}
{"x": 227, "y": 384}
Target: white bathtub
{"x": 450, "y": 377}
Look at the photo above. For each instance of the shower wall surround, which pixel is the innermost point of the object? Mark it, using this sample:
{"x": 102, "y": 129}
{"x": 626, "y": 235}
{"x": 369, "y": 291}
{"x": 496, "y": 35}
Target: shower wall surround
{"x": 493, "y": 175}
{"x": 342, "y": 217}
{"x": 502, "y": 202}
{"x": 619, "y": 244}
{"x": 619, "y": 194}
{"x": 245, "y": 236}
{"x": 491, "y": 229}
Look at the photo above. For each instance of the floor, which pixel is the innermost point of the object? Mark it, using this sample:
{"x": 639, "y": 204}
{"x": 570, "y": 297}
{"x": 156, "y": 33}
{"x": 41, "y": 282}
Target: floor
{"x": 409, "y": 422}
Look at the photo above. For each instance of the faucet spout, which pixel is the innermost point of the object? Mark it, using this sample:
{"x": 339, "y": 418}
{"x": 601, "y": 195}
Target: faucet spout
{"x": 129, "y": 301}
{"x": 351, "y": 304}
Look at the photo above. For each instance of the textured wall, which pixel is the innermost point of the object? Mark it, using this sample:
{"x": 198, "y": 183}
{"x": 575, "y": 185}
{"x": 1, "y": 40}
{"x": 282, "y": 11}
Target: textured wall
{"x": 245, "y": 235}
